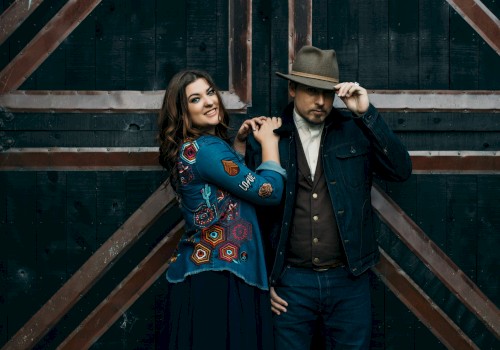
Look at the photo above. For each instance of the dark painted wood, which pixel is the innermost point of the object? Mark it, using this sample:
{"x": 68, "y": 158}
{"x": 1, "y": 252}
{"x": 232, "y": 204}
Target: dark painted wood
{"x": 464, "y": 54}
{"x": 262, "y": 67}
{"x": 279, "y": 58}
{"x": 373, "y": 70}
{"x": 201, "y": 50}
{"x": 403, "y": 45}
{"x": 171, "y": 40}
{"x": 344, "y": 31}
{"x": 488, "y": 236}
{"x": 111, "y": 45}
{"x": 433, "y": 44}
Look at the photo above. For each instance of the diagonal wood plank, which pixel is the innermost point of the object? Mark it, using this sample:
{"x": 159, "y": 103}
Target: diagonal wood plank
{"x": 15, "y": 15}
{"x": 436, "y": 260}
{"x": 44, "y": 43}
{"x": 125, "y": 294}
{"x": 481, "y": 19}
{"x": 93, "y": 269}
{"x": 422, "y": 306}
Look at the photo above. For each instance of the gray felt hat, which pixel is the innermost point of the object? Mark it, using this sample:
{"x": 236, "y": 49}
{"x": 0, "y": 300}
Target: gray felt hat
{"x": 314, "y": 67}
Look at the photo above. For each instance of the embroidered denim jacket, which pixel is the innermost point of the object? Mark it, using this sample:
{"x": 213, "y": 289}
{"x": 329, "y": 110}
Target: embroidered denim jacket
{"x": 217, "y": 194}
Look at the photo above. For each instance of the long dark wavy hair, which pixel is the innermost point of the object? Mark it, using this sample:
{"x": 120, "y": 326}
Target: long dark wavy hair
{"x": 174, "y": 122}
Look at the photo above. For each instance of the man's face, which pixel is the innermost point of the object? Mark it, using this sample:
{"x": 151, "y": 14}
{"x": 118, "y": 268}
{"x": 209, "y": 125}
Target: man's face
{"x": 311, "y": 103}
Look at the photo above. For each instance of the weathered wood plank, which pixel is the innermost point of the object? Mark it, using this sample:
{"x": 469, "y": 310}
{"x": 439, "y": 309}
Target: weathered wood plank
{"x": 129, "y": 290}
{"x": 403, "y": 45}
{"x": 421, "y": 305}
{"x": 434, "y": 49}
{"x": 438, "y": 262}
{"x": 44, "y": 43}
{"x": 15, "y": 15}
{"x": 50, "y": 313}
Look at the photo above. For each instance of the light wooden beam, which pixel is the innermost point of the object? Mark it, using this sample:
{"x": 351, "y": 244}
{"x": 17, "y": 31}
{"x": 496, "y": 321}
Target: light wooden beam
{"x": 481, "y": 19}
{"x": 150, "y": 101}
{"x": 44, "y": 43}
{"x": 15, "y": 15}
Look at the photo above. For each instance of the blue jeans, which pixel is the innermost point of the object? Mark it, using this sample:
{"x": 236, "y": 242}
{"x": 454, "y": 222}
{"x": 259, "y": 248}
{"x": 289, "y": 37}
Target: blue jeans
{"x": 333, "y": 303}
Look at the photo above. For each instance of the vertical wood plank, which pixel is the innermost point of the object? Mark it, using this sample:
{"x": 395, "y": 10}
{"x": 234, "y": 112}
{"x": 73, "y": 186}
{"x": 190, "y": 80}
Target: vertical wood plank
{"x": 320, "y": 20}
{"x": 279, "y": 56}
{"x": 110, "y": 45}
{"x": 261, "y": 53}
{"x": 202, "y": 35}
{"x": 343, "y": 37}
{"x": 403, "y": 44}
{"x": 171, "y": 39}
{"x": 489, "y": 74}
{"x": 19, "y": 239}
{"x": 434, "y": 44}
{"x": 373, "y": 44}
{"x": 488, "y": 236}
{"x": 464, "y": 58}
{"x": 140, "y": 51}
{"x": 221, "y": 76}
{"x": 431, "y": 207}
{"x": 82, "y": 211}
{"x": 462, "y": 222}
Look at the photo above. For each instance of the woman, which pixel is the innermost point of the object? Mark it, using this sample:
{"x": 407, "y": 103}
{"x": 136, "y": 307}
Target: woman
{"x": 218, "y": 292}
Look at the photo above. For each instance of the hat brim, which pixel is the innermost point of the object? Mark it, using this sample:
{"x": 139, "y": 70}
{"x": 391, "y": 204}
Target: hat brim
{"x": 316, "y": 83}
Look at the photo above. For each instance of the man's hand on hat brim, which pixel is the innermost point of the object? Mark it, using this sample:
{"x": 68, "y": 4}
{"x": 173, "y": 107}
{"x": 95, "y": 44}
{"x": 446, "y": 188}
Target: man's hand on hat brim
{"x": 354, "y": 96}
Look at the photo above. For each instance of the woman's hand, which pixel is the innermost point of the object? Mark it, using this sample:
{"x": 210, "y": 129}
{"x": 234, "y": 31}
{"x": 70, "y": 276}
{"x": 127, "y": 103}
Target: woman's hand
{"x": 245, "y": 129}
{"x": 268, "y": 139}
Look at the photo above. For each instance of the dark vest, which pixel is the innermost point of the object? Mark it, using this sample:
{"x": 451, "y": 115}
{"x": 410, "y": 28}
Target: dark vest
{"x": 314, "y": 238}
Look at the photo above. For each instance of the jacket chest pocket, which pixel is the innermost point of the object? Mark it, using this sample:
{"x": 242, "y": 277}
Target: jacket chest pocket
{"x": 354, "y": 164}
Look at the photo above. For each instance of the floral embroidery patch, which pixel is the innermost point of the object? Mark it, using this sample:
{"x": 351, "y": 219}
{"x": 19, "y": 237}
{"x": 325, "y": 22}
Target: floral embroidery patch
{"x": 204, "y": 215}
{"x": 265, "y": 190}
{"x": 231, "y": 212}
{"x": 185, "y": 173}
{"x": 230, "y": 167}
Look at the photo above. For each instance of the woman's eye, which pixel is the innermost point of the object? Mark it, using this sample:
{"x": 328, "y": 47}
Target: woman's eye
{"x": 211, "y": 92}
{"x": 195, "y": 100}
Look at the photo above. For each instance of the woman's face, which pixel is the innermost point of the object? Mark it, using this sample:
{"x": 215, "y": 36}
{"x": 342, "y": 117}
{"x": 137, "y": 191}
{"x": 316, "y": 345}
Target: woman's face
{"x": 203, "y": 105}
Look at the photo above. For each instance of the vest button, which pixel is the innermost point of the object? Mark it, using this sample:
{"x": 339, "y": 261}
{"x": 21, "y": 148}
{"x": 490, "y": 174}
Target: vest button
{"x": 315, "y": 195}
{"x": 315, "y": 240}
{"x": 315, "y": 218}
{"x": 316, "y": 260}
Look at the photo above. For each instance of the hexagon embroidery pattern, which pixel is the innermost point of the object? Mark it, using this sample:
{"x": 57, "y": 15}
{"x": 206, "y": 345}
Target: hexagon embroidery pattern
{"x": 228, "y": 252}
{"x": 188, "y": 152}
{"x": 201, "y": 254}
{"x": 213, "y": 235}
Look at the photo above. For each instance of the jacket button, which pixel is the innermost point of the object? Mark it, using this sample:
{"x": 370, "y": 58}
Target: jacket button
{"x": 315, "y": 218}
{"x": 316, "y": 260}
{"x": 315, "y": 195}
{"x": 315, "y": 240}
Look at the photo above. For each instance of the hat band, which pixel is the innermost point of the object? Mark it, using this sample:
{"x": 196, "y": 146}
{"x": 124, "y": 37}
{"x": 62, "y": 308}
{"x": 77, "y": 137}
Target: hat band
{"x": 314, "y": 76}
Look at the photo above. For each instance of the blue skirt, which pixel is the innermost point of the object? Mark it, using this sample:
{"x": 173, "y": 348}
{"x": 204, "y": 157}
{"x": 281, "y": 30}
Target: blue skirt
{"x": 216, "y": 310}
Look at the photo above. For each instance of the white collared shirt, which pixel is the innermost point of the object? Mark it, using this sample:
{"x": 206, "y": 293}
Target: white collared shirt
{"x": 310, "y": 137}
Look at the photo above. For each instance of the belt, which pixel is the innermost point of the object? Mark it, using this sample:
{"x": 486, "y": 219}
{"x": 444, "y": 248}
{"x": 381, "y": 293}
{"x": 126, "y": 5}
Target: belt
{"x": 326, "y": 268}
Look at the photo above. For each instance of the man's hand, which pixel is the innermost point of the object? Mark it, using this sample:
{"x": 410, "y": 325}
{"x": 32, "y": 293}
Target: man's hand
{"x": 354, "y": 96}
{"x": 278, "y": 305}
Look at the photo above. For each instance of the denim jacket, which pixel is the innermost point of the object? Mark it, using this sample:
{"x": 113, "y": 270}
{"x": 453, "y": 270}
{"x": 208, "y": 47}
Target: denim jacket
{"x": 352, "y": 150}
{"x": 217, "y": 195}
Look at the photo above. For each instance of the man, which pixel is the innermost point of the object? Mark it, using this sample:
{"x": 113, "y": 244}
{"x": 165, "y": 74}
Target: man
{"x": 322, "y": 236}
